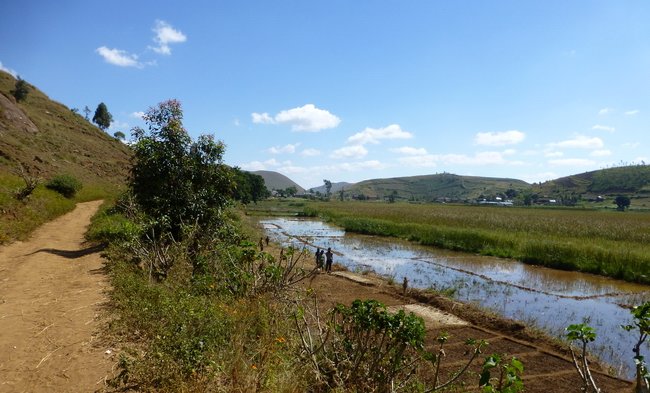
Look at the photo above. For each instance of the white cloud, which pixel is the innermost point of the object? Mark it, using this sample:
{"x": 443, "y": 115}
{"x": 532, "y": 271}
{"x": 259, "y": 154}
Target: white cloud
{"x": 260, "y": 165}
{"x": 262, "y": 118}
{"x": 631, "y": 145}
{"x": 572, "y": 162}
{"x": 632, "y": 112}
{"x": 605, "y": 111}
{"x": 119, "y": 57}
{"x": 236, "y": 122}
{"x": 290, "y": 148}
{"x": 8, "y": 70}
{"x": 482, "y": 158}
{"x": 165, "y": 35}
{"x": 539, "y": 177}
{"x": 511, "y": 137}
{"x": 355, "y": 166}
{"x": 579, "y": 142}
{"x": 410, "y": 151}
{"x": 137, "y": 115}
{"x": 117, "y": 125}
{"x": 373, "y": 135}
{"x": 553, "y": 153}
{"x": 603, "y": 128}
{"x": 356, "y": 151}
{"x": 310, "y": 153}
{"x": 424, "y": 161}
{"x": 601, "y": 153}
{"x": 305, "y": 118}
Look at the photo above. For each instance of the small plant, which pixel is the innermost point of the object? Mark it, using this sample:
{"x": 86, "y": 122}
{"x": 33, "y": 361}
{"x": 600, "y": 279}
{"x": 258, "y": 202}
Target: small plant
{"x": 508, "y": 379}
{"x": 66, "y": 185}
{"x": 641, "y": 315}
{"x": 31, "y": 182}
{"x": 584, "y": 334}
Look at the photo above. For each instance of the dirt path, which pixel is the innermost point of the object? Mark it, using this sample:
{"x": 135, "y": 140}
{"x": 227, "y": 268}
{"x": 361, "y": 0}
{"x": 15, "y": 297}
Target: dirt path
{"x": 51, "y": 290}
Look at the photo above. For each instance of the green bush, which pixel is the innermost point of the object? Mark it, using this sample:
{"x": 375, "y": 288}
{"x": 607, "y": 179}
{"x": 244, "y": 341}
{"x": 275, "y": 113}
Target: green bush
{"x": 65, "y": 185}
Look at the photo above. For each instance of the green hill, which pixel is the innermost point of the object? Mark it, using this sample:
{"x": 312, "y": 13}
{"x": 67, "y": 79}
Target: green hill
{"x": 48, "y": 138}
{"x": 443, "y": 186}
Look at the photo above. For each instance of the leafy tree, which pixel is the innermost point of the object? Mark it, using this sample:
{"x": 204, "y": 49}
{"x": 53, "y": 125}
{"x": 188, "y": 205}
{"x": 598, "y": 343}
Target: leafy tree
{"x": 102, "y": 117}
{"x": 249, "y": 187}
{"x": 641, "y": 315}
{"x": 21, "y": 90}
{"x": 119, "y": 135}
{"x": 328, "y": 187}
{"x": 622, "y": 202}
{"x": 291, "y": 191}
{"x": 175, "y": 180}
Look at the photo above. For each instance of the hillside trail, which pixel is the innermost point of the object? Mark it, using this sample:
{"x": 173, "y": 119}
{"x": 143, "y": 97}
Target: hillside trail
{"x": 52, "y": 288}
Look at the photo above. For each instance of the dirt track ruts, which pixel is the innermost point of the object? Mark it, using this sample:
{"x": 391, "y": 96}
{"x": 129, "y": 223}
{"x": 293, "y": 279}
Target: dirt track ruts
{"x": 51, "y": 290}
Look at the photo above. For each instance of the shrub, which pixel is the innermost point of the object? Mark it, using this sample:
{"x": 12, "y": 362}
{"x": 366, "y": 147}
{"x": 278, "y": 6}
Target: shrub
{"x": 65, "y": 185}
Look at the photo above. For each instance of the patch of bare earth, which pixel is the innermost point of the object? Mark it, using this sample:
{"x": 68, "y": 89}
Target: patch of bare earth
{"x": 548, "y": 368}
{"x": 51, "y": 290}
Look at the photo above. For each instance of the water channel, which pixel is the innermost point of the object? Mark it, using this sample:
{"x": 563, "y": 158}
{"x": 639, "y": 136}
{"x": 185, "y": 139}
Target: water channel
{"x": 545, "y": 298}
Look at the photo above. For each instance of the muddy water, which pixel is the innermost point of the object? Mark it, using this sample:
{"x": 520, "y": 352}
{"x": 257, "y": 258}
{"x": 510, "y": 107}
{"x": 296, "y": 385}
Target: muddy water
{"x": 545, "y": 298}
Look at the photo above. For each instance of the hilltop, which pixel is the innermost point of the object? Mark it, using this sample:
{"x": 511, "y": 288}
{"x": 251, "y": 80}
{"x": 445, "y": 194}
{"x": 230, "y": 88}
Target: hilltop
{"x": 48, "y": 138}
{"x": 278, "y": 181}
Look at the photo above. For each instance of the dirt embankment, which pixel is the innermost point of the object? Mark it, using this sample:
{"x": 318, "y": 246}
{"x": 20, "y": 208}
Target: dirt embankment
{"x": 51, "y": 290}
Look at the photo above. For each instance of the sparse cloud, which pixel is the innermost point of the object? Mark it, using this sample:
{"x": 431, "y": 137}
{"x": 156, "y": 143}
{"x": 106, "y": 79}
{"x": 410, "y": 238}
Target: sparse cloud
{"x": 419, "y": 161}
{"x": 310, "y": 152}
{"x": 601, "y": 153}
{"x": 117, "y": 125}
{"x": 632, "y": 112}
{"x": 286, "y": 149}
{"x": 410, "y": 151}
{"x": 502, "y": 138}
{"x": 579, "y": 142}
{"x": 603, "y": 128}
{"x": 373, "y": 135}
{"x": 8, "y": 70}
{"x": 582, "y": 162}
{"x": 305, "y": 118}
{"x": 630, "y": 145}
{"x": 119, "y": 57}
{"x": 236, "y": 122}
{"x": 553, "y": 153}
{"x": 433, "y": 160}
{"x": 137, "y": 115}
{"x": 355, "y": 151}
{"x": 166, "y": 35}
{"x": 260, "y": 165}
{"x": 605, "y": 111}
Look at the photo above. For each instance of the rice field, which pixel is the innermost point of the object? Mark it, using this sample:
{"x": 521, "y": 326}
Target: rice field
{"x": 610, "y": 243}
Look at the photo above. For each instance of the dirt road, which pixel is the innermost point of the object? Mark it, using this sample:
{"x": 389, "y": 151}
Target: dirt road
{"x": 51, "y": 290}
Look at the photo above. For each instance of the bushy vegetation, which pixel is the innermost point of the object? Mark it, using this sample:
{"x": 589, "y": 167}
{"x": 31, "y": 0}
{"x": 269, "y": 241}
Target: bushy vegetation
{"x": 206, "y": 310}
{"x": 66, "y": 185}
{"x": 606, "y": 243}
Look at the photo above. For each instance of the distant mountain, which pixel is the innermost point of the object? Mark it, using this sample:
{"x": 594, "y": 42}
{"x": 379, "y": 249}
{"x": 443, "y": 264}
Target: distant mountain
{"x": 336, "y": 187}
{"x": 278, "y": 181}
{"x": 49, "y": 139}
{"x": 444, "y": 186}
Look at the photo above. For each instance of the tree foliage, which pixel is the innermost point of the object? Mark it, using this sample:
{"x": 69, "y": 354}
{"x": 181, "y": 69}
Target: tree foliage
{"x": 21, "y": 90}
{"x": 622, "y": 202}
{"x": 176, "y": 180}
{"x": 119, "y": 135}
{"x": 102, "y": 117}
{"x": 249, "y": 187}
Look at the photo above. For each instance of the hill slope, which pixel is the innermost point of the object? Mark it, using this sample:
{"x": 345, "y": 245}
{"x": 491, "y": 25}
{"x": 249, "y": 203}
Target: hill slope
{"x": 48, "y": 138}
{"x": 634, "y": 179}
{"x": 433, "y": 187}
{"x": 278, "y": 181}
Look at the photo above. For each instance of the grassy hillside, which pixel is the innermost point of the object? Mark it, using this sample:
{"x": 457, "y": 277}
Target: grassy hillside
{"x": 278, "y": 181}
{"x": 433, "y": 187}
{"x": 48, "y": 139}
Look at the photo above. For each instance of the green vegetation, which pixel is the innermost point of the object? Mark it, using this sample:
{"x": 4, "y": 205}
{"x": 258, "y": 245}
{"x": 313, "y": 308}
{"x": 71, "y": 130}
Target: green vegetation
{"x": 66, "y": 185}
{"x": 605, "y": 243}
{"x": 103, "y": 117}
{"x": 21, "y": 90}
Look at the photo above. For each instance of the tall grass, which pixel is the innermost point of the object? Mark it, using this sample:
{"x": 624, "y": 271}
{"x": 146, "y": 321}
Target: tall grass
{"x": 614, "y": 244}
{"x": 19, "y": 218}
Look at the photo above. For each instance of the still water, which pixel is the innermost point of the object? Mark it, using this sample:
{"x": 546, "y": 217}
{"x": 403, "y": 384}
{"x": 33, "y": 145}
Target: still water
{"x": 545, "y": 298}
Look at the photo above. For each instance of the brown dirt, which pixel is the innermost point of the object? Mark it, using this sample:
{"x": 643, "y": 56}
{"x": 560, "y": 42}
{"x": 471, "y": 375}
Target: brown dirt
{"x": 51, "y": 290}
{"x": 548, "y": 367}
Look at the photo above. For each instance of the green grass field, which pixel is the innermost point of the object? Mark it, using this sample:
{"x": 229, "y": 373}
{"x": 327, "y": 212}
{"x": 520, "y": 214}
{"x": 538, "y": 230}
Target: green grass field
{"x": 609, "y": 243}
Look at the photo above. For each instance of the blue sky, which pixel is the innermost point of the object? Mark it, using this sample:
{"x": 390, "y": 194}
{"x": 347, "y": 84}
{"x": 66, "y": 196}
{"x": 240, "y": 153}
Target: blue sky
{"x": 354, "y": 90}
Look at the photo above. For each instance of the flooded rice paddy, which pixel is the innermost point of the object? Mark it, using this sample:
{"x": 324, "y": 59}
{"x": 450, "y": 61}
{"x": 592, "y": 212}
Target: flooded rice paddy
{"x": 544, "y": 298}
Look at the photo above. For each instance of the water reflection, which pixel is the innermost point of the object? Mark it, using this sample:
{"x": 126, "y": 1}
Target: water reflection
{"x": 546, "y": 298}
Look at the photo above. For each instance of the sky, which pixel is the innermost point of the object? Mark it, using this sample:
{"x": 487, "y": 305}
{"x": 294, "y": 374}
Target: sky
{"x": 354, "y": 90}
